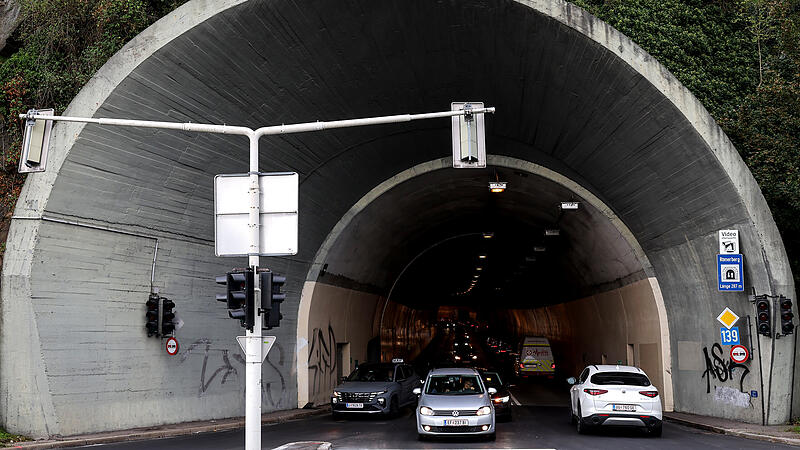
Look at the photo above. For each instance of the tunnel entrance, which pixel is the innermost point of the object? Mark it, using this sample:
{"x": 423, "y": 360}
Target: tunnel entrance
{"x": 513, "y": 260}
{"x": 583, "y": 114}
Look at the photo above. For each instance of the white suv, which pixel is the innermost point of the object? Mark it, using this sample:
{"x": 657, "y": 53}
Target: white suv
{"x": 606, "y": 395}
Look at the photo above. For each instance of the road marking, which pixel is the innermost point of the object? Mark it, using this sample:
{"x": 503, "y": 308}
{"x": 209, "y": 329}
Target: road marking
{"x": 305, "y": 445}
{"x": 514, "y": 400}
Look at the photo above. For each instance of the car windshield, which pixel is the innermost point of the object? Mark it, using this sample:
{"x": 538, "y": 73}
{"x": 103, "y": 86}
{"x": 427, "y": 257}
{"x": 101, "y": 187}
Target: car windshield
{"x": 453, "y": 385}
{"x": 371, "y": 372}
{"x": 626, "y": 378}
{"x": 492, "y": 379}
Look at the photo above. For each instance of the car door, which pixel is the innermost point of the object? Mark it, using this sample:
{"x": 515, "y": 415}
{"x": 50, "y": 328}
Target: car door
{"x": 575, "y": 390}
{"x": 405, "y": 384}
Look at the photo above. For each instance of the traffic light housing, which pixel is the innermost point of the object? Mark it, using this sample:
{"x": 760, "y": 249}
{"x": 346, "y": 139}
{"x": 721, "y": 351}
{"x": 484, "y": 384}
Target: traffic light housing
{"x": 167, "y": 316}
{"x": 152, "y": 314}
{"x": 271, "y": 298}
{"x": 787, "y": 325}
{"x": 763, "y": 316}
{"x": 240, "y": 296}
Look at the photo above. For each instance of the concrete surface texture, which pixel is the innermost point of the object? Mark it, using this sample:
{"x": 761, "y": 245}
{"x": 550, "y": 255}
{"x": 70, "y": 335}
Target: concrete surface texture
{"x": 573, "y": 96}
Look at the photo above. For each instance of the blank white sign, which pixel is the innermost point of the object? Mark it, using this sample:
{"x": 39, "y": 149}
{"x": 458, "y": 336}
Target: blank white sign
{"x": 278, "y": 214}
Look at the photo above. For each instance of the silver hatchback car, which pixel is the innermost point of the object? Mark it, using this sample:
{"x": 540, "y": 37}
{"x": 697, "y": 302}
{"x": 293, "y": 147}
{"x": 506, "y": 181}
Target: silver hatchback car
{"x": 455, "y": 402}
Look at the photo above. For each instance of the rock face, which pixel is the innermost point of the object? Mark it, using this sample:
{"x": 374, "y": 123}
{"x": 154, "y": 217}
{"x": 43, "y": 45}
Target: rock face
{"x": 9, "y": 13}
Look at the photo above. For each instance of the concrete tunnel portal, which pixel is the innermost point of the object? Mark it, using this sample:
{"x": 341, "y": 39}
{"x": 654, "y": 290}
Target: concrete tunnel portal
{"x": 582, "y": 113}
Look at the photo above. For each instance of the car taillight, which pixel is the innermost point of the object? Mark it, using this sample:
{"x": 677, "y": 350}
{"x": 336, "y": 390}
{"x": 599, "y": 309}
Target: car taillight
{"x": 651, "y": 394}
{"x": 595, "y": 391}
{"x": 522, "y": 366}
{"x": 553, "y": 366}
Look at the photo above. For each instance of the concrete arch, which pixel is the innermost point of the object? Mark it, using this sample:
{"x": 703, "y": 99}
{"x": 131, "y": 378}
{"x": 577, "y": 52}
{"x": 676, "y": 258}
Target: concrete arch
{"x": 308, "y": 298}
{"x": 582, "y": 100}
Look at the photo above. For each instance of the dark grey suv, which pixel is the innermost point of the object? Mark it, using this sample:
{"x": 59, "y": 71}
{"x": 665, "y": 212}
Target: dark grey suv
{"x": 375, "y": 388}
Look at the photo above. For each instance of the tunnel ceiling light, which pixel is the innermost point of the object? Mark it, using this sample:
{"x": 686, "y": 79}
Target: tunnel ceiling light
{"x": 530, "y": 259}
{"x": 488, "y": 234}
{"x": 552, "y": 232}
{"x": 539, "y": 248}
{"x": 497, "y": 186}
{"x": 569, "y": 206}
{"x": 479, "y": 269}
{"x": 481, "y": 256}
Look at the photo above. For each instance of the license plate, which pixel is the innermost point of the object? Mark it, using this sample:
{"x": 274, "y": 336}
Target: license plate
{"x": 354, "y": 405}
{"x": 455, "y": 422}
{"x": 623, "y": 407}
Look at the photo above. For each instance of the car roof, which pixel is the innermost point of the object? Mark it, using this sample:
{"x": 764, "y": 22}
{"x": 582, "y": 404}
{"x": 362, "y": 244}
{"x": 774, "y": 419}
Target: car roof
{"x": 616, "y": 368}
{"x": 454, "y": 371}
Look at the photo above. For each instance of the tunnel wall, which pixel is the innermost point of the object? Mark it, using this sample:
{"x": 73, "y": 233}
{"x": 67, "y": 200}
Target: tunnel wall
{"x": 337, "y": 316}
{"x": 601, "y": 327}
{"x": 184, "y": 67}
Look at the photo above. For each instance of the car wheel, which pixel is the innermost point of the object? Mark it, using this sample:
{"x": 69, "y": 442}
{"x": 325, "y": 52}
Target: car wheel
{"x": 571, "y": 416}
{"x": 582, "y": 429}
{"x": 422, "y": 437}
{"x": 335, "y": 415}
{"x": 394, "y": 407}
{"x": 491, "y": 437}
{"x": 655, "y": 431}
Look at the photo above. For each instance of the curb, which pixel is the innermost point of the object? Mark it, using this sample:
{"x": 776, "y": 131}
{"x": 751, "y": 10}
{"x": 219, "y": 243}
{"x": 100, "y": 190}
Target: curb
{"x": 173, "y": 431}
{"x": 736, "y": 433}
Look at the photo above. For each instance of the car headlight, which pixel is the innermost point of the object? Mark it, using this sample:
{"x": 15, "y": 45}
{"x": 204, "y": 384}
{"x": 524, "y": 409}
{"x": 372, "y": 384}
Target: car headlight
{"x": 484, "y": 411}
{"x": 425, "y": 411}
{"x": 501, "y": 399}
{"x": 458, "y": 357}
{"x": 337, "y": 394}
{"x": 474, "y": 357}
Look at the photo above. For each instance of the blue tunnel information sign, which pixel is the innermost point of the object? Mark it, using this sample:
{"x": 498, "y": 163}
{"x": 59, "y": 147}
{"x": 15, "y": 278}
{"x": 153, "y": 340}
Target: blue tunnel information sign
{"x": 729, "y": 272}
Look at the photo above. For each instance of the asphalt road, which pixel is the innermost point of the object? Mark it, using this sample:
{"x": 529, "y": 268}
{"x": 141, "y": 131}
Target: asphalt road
{"x": 541, "y": 421}
{"x": 532, "y": 427}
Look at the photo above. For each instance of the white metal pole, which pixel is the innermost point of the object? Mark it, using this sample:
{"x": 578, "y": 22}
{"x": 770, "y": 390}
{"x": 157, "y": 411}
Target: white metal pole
{"x": 253, "y": 357}
{"x": 252, "y": 425}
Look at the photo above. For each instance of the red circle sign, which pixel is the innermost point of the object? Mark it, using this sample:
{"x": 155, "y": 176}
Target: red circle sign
{"x": 172, "y": 346}
{"x": 739, "y": 354}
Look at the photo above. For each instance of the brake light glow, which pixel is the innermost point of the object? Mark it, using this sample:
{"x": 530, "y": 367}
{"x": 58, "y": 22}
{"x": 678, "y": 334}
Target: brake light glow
{"x": 553, "y": 366}
{"x": 651, "y": 394}
{"x": 522, "y": 366}
{"x": 595, "y": 391}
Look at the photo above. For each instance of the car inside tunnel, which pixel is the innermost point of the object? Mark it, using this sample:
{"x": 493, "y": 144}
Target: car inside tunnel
{"x": 443, "y": 247}
{"x": 389, "y": 232}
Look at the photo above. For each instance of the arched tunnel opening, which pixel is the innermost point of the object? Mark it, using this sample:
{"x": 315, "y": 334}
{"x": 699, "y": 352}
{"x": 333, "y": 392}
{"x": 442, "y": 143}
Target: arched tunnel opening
{"x": 389, "y": 233}
{"x": 444, "y": 249}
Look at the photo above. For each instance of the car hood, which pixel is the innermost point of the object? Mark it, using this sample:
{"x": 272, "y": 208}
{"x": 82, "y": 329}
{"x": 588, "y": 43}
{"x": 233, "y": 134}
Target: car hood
{"x": 444, "y": 401}
{"x": 365, "y": 386}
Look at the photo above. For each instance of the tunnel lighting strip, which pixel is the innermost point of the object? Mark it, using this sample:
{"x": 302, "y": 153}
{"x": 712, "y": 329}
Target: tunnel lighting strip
{"x": 252, "y": 348}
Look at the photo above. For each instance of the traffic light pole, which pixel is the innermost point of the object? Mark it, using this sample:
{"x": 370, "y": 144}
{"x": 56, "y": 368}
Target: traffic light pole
{"x": 253, "y": 356}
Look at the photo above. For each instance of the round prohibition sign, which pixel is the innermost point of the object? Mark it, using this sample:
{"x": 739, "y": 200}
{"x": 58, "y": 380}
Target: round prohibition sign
{"x": 172, "y": 346}
{"x": 739, "y": 354}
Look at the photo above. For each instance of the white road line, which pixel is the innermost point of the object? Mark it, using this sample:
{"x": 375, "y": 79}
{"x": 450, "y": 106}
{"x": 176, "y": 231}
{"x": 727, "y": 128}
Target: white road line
{"x": 514, "y": 399}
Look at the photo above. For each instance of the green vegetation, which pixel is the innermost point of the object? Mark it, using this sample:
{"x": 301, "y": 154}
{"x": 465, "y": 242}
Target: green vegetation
{"x": 741, "y": 58}
{"x": 8, "y": 438}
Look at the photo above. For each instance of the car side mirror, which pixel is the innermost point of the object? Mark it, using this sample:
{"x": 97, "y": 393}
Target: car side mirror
{"x": 492, "y": 391}
{"x": 572, "y": 380}
{"x": 417, "y": 391}
{"x": 342, "y": 379}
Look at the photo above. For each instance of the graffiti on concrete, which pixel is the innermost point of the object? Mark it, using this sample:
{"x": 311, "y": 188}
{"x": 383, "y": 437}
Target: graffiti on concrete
{"x": 722, "y": 370}
{"x": 221, "y": 373}
{"x": 275, "y": 360}
{"x": 322, "y": 360}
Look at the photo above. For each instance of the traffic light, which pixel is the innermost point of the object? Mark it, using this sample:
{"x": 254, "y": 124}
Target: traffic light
{"x": 239, "y": 298}
{"x": 152, "y": 315}
{"x": 763, "y": 316}
{"x": 271, "y": 298}
{"x": 167, "y": 316}
{"x": 787, "y": 327}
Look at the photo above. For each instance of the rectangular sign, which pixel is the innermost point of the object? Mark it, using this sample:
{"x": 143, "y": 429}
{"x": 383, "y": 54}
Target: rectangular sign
{"x": 469, "y": 137}
{"x": 728, "y": 242}
{"x": 278, "y": 214}
{"x": 730, "y": 273}
{"x": 729, "y": 337}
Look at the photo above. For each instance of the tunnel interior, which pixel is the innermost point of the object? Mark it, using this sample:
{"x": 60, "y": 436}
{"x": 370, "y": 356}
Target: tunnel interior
{"x": 388, "y": 231}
